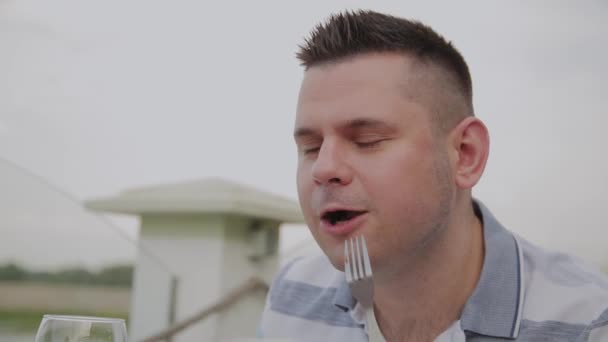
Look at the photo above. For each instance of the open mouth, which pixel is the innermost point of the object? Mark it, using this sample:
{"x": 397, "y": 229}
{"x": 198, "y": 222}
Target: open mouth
{"x": 338, "y": 216}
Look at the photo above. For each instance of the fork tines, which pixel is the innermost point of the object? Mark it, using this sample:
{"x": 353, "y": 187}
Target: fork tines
{"x": 356, "y": 260}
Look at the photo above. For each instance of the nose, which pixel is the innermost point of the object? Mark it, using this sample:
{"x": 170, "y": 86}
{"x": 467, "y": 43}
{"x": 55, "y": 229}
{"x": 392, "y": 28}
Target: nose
{"x": 330, "y": 166}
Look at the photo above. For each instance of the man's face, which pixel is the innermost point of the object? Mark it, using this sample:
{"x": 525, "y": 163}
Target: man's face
{"x": 369, "y": 161}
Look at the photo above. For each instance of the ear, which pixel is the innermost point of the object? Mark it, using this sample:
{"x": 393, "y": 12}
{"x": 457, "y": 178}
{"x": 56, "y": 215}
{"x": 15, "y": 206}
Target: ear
{"x": 469, "y": 146}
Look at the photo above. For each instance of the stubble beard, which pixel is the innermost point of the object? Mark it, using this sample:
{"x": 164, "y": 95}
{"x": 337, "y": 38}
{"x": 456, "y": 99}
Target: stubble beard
{"x": 445, "y": 187}
{"x": 434, "y": 227}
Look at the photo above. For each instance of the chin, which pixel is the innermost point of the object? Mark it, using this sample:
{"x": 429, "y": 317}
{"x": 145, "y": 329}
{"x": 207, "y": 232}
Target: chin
{"x": 335, "y": 254}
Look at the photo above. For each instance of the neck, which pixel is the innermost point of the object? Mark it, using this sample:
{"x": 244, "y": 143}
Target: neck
{"x": 427, "y": 297}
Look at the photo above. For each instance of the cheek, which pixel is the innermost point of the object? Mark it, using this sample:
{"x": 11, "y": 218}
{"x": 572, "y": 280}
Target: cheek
{"x": 305, "y": 187}
{"x": 303, "y": 183}
{"x": 402, "y": 184}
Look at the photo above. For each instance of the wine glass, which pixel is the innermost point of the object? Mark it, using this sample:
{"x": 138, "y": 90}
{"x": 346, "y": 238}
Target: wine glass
{"x": 56, "y": 328}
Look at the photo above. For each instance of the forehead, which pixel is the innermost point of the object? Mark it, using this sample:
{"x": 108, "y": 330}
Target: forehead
{"x": 377, "y": 86}
{"x": 372, "y": 71}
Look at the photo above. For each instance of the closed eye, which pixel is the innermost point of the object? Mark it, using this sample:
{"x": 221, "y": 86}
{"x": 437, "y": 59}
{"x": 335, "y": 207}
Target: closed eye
{"x": 368, "y": 144}
{"x": 311, "y": 150}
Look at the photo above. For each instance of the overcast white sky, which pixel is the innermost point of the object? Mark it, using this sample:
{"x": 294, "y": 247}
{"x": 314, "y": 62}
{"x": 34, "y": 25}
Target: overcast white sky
{"x": 98, "y": 97}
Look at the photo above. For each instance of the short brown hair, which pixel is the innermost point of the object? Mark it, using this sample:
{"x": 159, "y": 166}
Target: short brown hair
{"x": 348, "y": 34}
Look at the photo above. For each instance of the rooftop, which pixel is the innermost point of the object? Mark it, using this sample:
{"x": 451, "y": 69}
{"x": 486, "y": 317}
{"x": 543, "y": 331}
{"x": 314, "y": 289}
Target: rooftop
{"x": 211, "y": 195}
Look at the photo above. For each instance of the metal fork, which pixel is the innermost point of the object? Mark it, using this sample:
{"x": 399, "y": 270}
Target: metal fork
{"x": 358, "y": 272}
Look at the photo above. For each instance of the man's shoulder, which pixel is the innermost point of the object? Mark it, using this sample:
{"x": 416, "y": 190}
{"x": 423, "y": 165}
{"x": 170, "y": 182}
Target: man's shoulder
{"x": 303, "y": 302}
{"x": 310, "y": 279}
{"x": 561, "y": 291}
{"x": 315, "y": 270}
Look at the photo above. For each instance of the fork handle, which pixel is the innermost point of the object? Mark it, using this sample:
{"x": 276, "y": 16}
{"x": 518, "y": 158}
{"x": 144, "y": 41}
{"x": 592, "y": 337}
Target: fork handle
{"x": 373, "y": 330}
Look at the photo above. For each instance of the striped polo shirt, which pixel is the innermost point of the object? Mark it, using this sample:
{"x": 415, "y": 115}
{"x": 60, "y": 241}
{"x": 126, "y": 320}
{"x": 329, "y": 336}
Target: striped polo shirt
{"x": 524, "y": 293}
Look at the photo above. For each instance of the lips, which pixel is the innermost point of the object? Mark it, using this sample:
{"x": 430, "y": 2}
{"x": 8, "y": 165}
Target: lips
{"x": 342, "y": 221}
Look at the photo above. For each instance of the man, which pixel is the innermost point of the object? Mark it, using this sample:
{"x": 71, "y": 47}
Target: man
{"x": 389, "y": 148}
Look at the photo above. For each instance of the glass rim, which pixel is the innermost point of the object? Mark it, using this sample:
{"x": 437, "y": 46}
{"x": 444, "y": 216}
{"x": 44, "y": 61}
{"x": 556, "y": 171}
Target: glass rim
{"x": 83, "y": 318}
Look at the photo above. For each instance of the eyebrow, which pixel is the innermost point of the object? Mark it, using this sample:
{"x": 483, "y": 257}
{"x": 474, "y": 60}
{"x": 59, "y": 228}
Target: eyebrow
{"x": 350, "y": 125}
{"x": 359, "y": 123}
{"x": 305, "y": 132}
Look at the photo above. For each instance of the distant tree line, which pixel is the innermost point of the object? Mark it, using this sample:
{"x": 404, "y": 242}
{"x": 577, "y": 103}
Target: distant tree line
{"x": 116, "y": 275}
